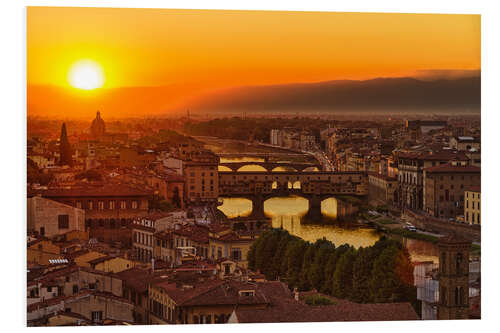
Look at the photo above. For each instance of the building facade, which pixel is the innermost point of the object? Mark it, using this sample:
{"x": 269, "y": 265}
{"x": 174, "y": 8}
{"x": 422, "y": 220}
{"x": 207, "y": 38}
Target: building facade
{"x": 50, "y": 218}
{"x": 472, "y": 209}
{"x": 445, "y": 187}
{"x": 202, "y": 178}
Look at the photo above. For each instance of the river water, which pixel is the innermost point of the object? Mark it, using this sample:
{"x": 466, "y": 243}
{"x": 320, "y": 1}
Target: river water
{"x": 288, "y": 213}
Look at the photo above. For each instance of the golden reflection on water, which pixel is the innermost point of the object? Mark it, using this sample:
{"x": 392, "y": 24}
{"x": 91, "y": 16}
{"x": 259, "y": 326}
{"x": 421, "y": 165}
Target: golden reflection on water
{"x": 286, "y": 213}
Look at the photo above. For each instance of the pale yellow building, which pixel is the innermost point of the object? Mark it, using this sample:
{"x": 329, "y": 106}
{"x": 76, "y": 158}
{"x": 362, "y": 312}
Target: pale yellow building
{"x": 472, "y": 209}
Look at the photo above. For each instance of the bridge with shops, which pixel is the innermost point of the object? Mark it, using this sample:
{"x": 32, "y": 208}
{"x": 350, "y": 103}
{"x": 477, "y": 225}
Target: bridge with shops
{"x": 270, "y": 166}
{"x": 315, "y": 186}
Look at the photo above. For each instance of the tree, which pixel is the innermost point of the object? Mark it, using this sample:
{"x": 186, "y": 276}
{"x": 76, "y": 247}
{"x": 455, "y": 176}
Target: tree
{"x": 342, "y": 279}
{"x": 306, "y": 265}
{"x": 361, "y": 274}
{"x": 294, "y": 256}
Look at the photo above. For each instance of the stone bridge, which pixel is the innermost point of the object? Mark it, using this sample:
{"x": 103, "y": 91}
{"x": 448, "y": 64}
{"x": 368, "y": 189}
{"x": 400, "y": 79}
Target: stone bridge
{"x": 270, "y": 166}
{"x": 314, "y": 186}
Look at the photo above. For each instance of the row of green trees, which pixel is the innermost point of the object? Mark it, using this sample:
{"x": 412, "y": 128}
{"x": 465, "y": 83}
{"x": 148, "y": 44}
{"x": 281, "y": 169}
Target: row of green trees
{"x": 250, "y": 128}
{"x": 377, "y": 274}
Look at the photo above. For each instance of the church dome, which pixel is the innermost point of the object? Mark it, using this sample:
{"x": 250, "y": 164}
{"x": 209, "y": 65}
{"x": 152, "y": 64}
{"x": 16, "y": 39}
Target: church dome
{"x": 98, "y": 128}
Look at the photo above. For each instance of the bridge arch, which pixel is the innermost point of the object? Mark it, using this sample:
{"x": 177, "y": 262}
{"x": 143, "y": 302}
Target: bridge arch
{"x": 284, "y": 168}
{"x": 224, "y": 168}
{"x": 253, "y": 168}
{"x": 311, "y": 169}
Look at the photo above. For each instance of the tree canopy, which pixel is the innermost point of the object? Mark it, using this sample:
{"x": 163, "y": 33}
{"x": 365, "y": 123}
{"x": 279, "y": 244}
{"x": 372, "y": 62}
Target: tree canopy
{"x": 377, "y": 274}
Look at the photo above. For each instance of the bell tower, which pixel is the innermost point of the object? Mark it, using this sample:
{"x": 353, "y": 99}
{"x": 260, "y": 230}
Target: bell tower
{"x": 453, "y": 278}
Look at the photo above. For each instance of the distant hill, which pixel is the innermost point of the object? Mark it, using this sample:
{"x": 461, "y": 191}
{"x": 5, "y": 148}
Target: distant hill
{"x": 374, "y": 94}
{"x": 371, "y": 95}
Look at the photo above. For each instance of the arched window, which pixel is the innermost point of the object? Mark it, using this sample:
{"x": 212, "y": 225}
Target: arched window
{"x": 458, "y": 263}
{"x": 443, "y": 295}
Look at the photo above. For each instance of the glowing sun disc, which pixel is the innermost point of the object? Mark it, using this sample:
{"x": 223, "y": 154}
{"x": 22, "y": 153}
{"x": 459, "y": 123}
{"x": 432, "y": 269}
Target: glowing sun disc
{"x": 86, "y": 74}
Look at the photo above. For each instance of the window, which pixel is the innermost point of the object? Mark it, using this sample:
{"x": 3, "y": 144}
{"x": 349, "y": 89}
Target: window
{"x": 100, "y": 205}
{"x": 443, "y": 295}
{"x": 75, "y": 289}
{"x": 63, "y": 221}
{"x": 90, "y": 204}
{"x": 111, "y": 204}
{"x": 123, "y": 204}
{"x": 236, "y": 254}
{"x": 458, "y": 263}
{"x": 443, "y": 261}
{"x": 247, "y": 293}
{"x": 79, "y": 204}
{"x": 96, "y": 316}
{"x": 134, "y": 204}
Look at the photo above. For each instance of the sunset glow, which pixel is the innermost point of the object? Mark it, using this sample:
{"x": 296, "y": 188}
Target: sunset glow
{"x": 86, "y": 75}
{"x": 183, "y": 53}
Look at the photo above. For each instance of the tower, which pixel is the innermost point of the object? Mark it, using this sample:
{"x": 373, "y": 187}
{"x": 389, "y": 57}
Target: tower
{"x": 453, "y": 278}
{"x": 64, "y": 148}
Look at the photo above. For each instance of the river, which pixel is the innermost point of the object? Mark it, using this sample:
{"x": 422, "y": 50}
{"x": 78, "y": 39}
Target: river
{"x": 288, "y": 213}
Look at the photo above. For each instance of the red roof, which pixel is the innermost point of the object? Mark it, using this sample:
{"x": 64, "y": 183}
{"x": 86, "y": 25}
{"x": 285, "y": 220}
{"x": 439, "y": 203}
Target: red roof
{"x": 474, "y": 189}
{"x": 454, "y": 168}
{"x": 285, "y": 309}
{"x": 110, "y": 190}
{"x": 435, "y": 156}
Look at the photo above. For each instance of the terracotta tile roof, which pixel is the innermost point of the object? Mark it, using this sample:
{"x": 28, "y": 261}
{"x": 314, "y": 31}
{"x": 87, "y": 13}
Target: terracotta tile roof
{"x": 435, "y": 156}
{"x": 474, "y": 189}
{"x": 454, "y": 168}
{"x": 228, "y": 293}
{"x": 82, "y": 293}
{"x": 135, "y": 278}
{"x": 100, "y": 259}
{"x": 196, "y": 233}
{"x": 109, "y": 190}
{"x": 289, "y": 310}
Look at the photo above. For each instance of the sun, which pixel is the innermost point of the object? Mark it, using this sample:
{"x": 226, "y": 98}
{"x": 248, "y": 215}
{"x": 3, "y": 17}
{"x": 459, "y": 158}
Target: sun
{"x": 86, "y": 74}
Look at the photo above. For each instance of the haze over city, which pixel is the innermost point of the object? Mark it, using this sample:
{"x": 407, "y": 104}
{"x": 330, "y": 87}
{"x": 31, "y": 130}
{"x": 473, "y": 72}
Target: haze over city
{"x": 169, "y": 61}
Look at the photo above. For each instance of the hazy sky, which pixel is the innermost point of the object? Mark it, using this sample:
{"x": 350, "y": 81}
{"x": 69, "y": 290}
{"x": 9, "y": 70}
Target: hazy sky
{"x": 199, "y": 49}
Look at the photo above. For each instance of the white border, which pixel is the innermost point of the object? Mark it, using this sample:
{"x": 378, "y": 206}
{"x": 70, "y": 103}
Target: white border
{"x": 13, "y": 79}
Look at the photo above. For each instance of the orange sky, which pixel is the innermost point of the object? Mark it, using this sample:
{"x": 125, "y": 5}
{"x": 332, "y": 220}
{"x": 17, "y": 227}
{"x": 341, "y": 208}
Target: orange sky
{"x": 194, "y": 50}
